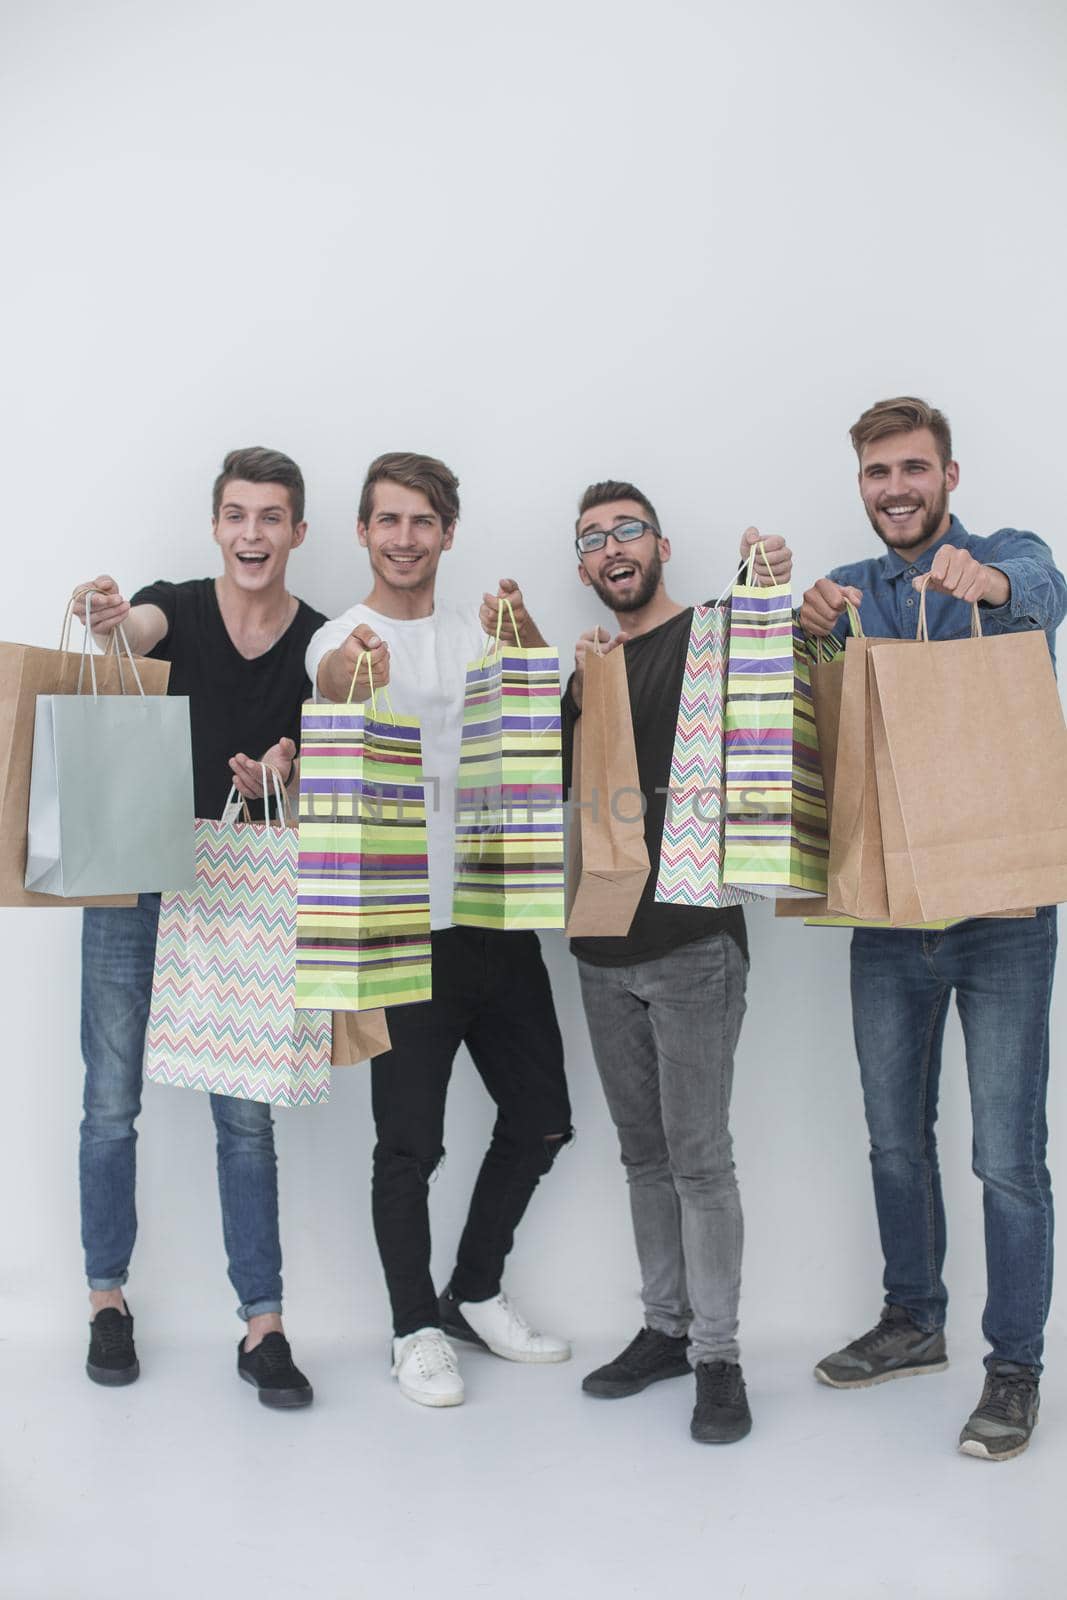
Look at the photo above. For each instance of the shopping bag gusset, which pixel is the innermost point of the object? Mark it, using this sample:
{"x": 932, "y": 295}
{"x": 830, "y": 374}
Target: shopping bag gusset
{"x": 358, "y": 1036}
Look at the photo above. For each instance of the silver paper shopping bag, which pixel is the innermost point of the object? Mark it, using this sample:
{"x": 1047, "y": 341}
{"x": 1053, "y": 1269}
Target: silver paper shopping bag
{"x": 111, "y": 791}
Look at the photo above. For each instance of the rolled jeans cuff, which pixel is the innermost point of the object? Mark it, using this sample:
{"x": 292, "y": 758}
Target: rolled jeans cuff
{"x": 259, "y": 1308}
{"x": 108, "y": 1283}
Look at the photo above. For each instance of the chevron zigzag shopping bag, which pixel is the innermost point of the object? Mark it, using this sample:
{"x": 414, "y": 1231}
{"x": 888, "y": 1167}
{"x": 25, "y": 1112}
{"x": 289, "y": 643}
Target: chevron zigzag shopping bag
{"x": 363, "y": 892}
{"x": 223, "y": 1017}
{"x": 509, "y": 798}
{"x": 690, "y": 865}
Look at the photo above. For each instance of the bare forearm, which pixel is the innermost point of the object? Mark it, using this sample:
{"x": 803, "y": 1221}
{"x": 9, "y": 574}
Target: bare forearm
{"x": 333, "y": 681}
{"x": 144, "y": 627}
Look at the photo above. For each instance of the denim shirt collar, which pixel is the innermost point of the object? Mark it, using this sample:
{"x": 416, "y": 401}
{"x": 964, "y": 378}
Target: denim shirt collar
{"x": 897, "y": 564}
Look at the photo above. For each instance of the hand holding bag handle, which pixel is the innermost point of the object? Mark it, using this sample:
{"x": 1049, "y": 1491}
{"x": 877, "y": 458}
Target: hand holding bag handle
{"x": 236, "y": 804}
{"x": 492, "y": 646}
{"x": 364, "y": 656}
{"x": 748, "y": 567}
{"x": 118, "y": 636}
{"x": 921, "y": 630}
{"x": 822, "y": 649}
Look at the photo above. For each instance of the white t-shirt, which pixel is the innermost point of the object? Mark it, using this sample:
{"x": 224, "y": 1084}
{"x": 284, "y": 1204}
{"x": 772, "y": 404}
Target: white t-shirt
{"x": 428, "y": 660}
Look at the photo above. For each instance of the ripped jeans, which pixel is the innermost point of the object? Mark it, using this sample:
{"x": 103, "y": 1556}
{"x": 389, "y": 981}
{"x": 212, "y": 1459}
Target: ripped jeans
{"x": 490, "y": 992}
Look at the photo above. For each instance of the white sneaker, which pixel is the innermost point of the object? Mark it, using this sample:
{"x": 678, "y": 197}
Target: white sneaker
{"x": 498, "y": 1326}
{"x": 424, "y": 1365}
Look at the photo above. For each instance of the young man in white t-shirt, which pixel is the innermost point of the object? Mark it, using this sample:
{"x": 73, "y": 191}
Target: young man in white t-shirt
{"x": 490, "y": 989}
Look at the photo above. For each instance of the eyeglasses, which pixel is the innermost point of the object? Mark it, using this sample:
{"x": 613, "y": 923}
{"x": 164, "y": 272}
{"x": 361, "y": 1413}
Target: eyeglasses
{"x": 596, "y": 538}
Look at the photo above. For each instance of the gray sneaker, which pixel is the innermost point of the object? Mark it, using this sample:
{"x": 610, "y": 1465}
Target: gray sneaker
{"x": 1006, "y": 1415}
{"x": 894, "y": 1348}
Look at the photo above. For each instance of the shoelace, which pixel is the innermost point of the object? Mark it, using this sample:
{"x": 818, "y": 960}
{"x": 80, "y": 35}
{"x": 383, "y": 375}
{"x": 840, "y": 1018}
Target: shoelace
{"x": 1007, "y": 1398}
{"x": 718, "y": 1381}
{"x": 113, "y": 1337}
{"x": 879, "y": 1335}
{"x": 517, "y": 1323}
{"x": 643, "y": 1347}
{"x": 434, "y": 1354}
{"x": 274, "y": 1353}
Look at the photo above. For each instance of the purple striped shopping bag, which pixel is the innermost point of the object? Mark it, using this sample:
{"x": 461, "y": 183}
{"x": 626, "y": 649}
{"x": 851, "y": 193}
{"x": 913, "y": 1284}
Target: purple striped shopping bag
{"x": 363, "y": 890}
{"x": 775, "y": 840}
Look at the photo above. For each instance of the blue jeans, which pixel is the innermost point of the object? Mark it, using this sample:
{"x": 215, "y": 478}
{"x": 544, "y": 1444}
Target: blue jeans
{"x": 1002, "y": 973}
{"x": 118, "y": 954}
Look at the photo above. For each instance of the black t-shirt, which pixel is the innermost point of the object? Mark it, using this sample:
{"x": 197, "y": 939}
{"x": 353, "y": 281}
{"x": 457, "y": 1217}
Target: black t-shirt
{"x": 655, "y": 669}
{"x": 234, "y": 705}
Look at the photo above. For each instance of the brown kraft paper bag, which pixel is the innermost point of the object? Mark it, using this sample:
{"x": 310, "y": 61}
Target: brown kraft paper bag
{"x": 972, "y": 775}
{"x": 357, "y": 1036}
{"x": 856, "y": 885}
{"x": 608, "y": 864}
{"x": 25, "y": 672}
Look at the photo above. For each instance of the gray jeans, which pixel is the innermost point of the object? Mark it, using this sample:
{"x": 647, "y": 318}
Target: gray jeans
{"x": 663, "y": 1035}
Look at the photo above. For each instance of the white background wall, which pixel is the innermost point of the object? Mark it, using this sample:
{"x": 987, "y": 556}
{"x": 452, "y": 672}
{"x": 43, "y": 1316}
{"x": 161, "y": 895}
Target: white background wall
{"x": 684, "y": 244}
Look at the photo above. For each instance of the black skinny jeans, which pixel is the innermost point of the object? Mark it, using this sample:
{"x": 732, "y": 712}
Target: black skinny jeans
{"x": 491, "y": 993}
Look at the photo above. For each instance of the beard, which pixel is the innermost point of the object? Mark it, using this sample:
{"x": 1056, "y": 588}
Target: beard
{"x": 930, "y": 524}
{"x": 638, "y": 597}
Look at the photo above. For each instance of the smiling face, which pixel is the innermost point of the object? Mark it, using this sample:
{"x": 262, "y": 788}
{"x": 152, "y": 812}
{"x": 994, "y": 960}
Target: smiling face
{"x": 404, "y": 537}
{"x": 254, "y": 530}
{"x": 905, "y": 488}
{"x": 625, "y": 576}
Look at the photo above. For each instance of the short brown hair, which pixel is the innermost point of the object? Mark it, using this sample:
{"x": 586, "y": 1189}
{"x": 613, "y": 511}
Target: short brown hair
{"x": 905, "y": 414}
{"x": 257, "y": 465}
{"x": 602, "y": 494}
{"x": 425, "y": 473}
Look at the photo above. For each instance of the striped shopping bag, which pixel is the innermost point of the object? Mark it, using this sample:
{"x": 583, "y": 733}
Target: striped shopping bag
{"x": 509, "y": 798}
{"x": 224, "y": 1018}
{"x": 775, "y": 834}
{"x": 363, "y": 890}
{"x": 690, "y": 863}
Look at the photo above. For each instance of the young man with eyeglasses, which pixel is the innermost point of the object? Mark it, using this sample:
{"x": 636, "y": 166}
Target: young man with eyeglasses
{"x": 490, "y": 988}
{"x": 664, "y": 1004}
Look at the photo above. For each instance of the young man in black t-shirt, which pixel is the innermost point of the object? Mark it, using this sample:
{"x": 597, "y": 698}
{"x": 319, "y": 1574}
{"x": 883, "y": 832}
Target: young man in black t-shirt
{"x": 664, "y": 1004}
{"x": 236, "y": 645}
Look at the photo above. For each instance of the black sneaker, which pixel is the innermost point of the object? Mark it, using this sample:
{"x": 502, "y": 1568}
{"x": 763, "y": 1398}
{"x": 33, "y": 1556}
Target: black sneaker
{"x": 1006, "y": 1415}
{"x": 894, "y": 1348}
{"x": 454, "y": 1323}
{"x": 112, "y": 1357}
{"x": 649, "y": 1358}
{"x": 721, "y": 1414}
{"x": 270, "y": 1367}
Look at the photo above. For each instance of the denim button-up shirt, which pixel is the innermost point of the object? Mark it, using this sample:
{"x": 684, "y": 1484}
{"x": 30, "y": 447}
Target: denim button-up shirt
{"x": 890, "y": 608}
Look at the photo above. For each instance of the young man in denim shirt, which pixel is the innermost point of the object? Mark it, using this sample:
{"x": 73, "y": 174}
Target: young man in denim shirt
{"x": 1001, "y": 969}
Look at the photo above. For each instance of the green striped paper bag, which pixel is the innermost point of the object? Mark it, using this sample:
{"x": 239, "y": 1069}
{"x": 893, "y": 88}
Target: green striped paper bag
{"x": 775, "y": 837}
{"x": 363, "y": 889}
{"x": 509, "y": 798}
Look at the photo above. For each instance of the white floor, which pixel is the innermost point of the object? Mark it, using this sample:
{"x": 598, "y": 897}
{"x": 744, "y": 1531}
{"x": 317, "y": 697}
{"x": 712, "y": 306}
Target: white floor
{"x": 184, "y": 1485}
